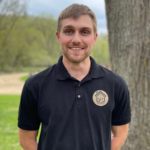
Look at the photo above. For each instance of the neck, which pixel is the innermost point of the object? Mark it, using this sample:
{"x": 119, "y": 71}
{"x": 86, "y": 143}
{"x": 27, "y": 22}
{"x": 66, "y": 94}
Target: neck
{"x": 77, "y": 70}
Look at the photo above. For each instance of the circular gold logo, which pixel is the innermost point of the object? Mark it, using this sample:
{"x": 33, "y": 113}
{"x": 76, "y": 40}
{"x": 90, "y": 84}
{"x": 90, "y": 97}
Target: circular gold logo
{"x": 100, "y": 98}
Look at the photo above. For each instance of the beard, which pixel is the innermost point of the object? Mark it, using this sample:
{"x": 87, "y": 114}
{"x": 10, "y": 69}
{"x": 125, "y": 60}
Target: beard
{"x": 75, "y": 60}
{"x": 75, "y": 57}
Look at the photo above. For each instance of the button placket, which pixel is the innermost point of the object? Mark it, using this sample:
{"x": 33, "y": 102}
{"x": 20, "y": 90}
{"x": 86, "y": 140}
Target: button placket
{"x": 79, "y": 95}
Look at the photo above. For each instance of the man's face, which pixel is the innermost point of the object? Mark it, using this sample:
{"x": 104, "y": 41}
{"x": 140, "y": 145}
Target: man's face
{"x": 76, "y": 38}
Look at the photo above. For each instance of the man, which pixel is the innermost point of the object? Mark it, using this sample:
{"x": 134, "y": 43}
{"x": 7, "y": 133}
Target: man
{"x": 76, "y": 101}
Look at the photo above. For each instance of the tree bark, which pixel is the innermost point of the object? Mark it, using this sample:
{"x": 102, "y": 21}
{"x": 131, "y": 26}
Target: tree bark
{"x": 128, "y": 25}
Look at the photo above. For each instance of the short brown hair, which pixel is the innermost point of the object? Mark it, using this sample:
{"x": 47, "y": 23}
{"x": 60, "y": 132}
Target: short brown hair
{"x": 74, "y": 11}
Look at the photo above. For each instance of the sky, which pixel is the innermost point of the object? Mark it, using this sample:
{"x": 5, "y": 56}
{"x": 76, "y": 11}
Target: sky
{"x": 55, "y": 7}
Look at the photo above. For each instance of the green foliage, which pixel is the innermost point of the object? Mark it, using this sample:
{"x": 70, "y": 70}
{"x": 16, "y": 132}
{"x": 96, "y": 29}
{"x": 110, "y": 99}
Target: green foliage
{"x": 10, "y": 12}
{"x": 9, "y": 105}
{"x": 100, "y": 50}
{"x": 31, "y": 42}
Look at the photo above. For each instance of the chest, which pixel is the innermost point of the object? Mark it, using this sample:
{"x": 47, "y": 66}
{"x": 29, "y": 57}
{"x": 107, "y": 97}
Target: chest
{"x": 94, "y": 100}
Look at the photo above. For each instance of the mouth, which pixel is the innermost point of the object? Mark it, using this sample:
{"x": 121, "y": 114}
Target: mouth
{"x": 76, "y": 49}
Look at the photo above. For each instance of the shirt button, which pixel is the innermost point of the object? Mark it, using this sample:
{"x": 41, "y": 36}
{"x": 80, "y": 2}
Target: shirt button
{"x": 79, "y": 85}
{"x": 79, "y": 96}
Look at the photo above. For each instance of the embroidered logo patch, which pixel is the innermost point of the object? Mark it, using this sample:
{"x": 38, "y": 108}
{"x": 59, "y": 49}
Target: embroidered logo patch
{"x": 100, "y": 98}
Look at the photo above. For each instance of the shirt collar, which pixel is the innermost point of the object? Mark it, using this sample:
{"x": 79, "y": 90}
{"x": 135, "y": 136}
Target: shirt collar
{"x": 95, "y": 70}
{"x": 62, "y": 73}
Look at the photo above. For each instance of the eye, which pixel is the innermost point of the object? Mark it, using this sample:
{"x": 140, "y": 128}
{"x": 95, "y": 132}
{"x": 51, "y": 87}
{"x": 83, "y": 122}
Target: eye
{"x": 69, "y": 31}
{"x": 85, "y": 32}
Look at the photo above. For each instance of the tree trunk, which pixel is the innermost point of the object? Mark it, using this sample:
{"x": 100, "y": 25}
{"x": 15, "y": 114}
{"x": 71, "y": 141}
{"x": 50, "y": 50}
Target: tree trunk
{"x": 128, "y": 24}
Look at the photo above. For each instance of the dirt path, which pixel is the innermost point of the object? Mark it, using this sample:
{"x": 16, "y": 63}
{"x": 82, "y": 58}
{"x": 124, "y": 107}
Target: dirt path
{"x": 11, "y": 83}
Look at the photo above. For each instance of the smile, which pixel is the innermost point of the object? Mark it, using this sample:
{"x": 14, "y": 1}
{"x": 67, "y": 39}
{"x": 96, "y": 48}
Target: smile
{"x": 76, "y": 49}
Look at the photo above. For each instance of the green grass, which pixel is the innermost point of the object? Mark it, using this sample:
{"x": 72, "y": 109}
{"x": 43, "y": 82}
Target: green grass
{"x": 24, "y": 78}
{"x": 9, "y": 105}
{"x": 8, "y": 122}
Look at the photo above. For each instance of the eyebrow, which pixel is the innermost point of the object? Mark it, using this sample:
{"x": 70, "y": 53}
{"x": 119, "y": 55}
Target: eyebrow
{"x": 69, "y": 26}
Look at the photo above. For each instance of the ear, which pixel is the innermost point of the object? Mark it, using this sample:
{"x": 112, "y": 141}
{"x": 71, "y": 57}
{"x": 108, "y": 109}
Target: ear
{"x": 95, "y": 39}
{"x": 58, "y": 38}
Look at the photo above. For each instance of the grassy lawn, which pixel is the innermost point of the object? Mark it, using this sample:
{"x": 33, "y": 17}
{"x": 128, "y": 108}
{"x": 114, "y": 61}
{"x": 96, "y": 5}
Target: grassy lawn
{"x": 9, "y": 105}
{"x": 24, "y": 78}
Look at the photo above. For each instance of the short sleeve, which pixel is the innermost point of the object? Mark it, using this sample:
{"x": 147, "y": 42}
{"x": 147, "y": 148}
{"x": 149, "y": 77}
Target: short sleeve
{"x": 28, "y": 118}
{"x": 122, "y": 113}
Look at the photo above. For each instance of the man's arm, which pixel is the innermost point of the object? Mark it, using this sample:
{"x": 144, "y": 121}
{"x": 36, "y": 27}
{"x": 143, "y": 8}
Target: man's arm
{"x": 119, "y": 136}
{"x": 28, "y": 139}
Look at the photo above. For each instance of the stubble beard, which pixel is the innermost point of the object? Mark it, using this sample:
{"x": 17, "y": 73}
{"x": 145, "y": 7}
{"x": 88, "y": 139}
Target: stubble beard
{"x": 74, "y": 59}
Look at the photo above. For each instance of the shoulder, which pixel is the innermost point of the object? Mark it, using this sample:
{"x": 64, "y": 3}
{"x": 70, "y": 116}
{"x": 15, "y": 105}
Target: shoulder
{"x": 113, "y": 78}
{"x": 41, "y": 77}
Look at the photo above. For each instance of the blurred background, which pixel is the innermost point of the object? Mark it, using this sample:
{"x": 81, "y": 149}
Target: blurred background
{"x": 28, "y": 45}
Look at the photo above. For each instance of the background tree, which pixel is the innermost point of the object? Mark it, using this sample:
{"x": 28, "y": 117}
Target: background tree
{"x": 10, "y": 10}
{"x": 129, "y": 44}
{"x": 47, "y": 26}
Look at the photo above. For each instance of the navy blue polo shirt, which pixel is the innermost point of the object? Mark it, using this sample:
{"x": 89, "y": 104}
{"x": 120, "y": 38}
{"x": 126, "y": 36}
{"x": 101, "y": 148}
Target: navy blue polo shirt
{"x": 75, "y": 115}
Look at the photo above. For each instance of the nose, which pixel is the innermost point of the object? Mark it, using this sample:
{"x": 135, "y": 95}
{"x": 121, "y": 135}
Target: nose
{"x": 76, "y": 38}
